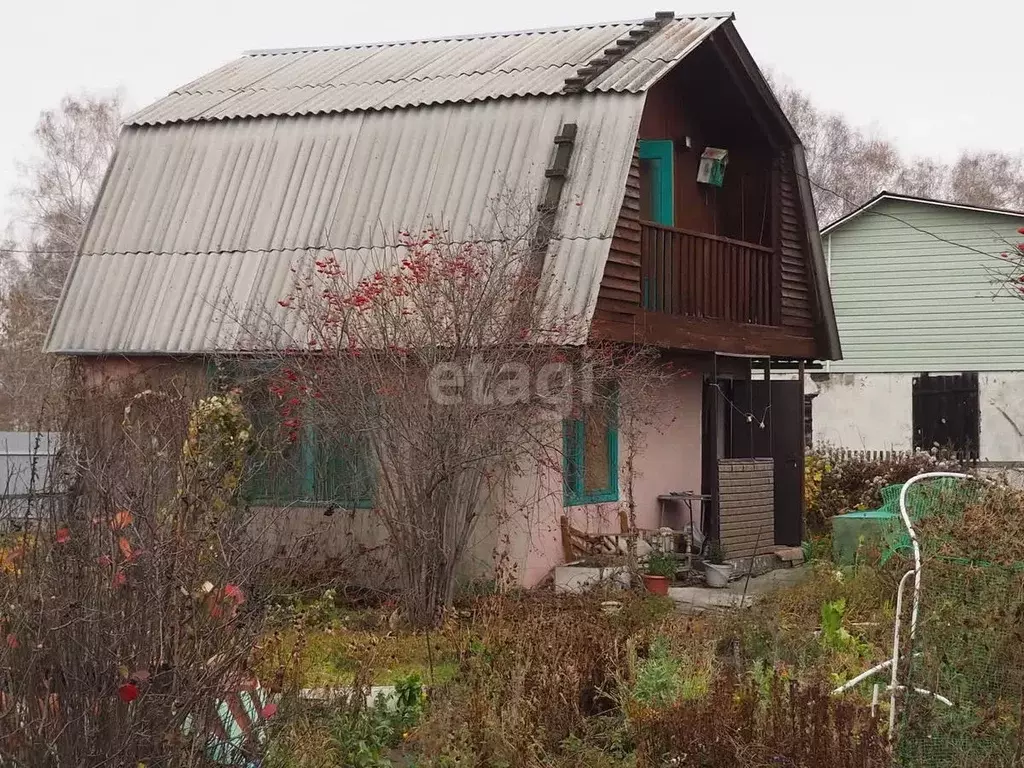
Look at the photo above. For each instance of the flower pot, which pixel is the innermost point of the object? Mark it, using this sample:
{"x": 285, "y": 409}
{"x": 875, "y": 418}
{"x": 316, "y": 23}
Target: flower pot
{"x": 656, "y": 585}
{"x": 718, "y": 575}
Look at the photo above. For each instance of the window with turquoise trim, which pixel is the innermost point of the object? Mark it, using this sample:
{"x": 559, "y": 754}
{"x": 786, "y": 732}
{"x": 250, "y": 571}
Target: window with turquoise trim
{"x": 318, "y": 468}
{"x": 590, "y": 466}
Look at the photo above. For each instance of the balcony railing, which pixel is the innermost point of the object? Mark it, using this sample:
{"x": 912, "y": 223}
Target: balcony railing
{"x": 706, "y": 276}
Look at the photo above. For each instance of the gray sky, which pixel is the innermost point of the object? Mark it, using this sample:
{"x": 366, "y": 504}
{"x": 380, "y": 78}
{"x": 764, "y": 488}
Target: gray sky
{"x": 934, "y": 77}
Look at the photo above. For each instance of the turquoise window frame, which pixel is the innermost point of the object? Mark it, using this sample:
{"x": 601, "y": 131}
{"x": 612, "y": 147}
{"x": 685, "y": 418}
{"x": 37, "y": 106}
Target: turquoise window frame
{"x": 573, "y": 469}
{"x": 661, "y": 153}
{"x": 310, "y": 487}
{"x": 306, "y": 484}
{"x": 343, "y": 464}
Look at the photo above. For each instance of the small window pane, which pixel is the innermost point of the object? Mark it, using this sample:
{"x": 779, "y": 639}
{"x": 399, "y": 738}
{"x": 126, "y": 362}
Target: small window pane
{"x": 647, "y": 176}
{"x": 275, "y": 467}
{"x": 343, "y": 472}
{"x": 573, "y": 452}
{"x": 596, "y": 459}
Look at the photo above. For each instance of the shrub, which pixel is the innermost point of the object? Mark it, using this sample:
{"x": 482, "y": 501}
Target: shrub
{"x": 535, "y": 669}
{"x": 664, "y": 678}
{"x": 349, "y": 732}
{"x": 969, "y": 633}
{"x": 735, "y": 724}
{"x": 133, "y": 610}
{"x": 836, "y": 482}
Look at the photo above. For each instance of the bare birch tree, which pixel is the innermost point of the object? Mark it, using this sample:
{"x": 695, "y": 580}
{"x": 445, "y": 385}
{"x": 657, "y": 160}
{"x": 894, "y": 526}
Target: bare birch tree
{"x": 59, "y": 183}
{"x": 847, "y": 165}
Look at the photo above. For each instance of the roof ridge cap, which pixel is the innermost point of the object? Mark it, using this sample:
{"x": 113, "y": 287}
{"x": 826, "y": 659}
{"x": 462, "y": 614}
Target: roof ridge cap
{"x": 472, "y": 36}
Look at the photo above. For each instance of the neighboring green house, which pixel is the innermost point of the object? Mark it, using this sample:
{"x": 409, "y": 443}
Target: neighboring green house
{"x": 933, "y": 338}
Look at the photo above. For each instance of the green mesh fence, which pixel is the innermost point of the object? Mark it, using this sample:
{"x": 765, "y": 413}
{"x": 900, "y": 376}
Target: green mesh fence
{"x": 969, "y": 644}
{"x": 947, "y": 496}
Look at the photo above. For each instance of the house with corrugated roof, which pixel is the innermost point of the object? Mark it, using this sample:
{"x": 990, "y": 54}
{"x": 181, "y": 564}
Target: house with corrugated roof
{"x": 682, "y": 219}
{"x": 931, "y": 332}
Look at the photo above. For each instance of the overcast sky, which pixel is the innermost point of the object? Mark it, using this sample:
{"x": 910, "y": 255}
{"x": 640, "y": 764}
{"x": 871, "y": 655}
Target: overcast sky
{"x": 936, "y": 77}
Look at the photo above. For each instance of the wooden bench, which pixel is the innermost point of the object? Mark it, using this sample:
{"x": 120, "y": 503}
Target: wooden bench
{"x": 577, "y": 544}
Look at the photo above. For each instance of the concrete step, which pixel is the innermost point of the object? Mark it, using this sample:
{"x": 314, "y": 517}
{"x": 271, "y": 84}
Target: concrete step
{"x": 790, "y": 556}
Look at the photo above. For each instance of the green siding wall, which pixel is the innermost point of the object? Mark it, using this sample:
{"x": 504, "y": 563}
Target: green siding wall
{"x": 907, "y": 301}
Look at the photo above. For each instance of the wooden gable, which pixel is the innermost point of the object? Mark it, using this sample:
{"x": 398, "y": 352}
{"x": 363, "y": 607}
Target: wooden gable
{"x": 737, "y": 269}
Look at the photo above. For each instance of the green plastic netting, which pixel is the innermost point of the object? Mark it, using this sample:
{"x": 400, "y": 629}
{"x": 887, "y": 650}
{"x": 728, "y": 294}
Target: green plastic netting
{"x": 969, "y": 644}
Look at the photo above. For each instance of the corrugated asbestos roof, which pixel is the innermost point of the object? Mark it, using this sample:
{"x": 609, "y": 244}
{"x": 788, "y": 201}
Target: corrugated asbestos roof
{"x": 391, "y": 75}
{"x": 199, "y": 218}
{"x": 204, "y": 212}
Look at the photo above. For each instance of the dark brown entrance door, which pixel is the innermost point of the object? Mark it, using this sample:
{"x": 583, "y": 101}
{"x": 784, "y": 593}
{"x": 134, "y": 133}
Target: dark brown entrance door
{"x": 778, "y": 405}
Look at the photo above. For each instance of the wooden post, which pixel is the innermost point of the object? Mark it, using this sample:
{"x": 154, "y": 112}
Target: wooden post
{"x": 776, "y": 265}
{"x": 803, "y": 452}
{"x": 567, "y": 550}
{"x": 709, "y": 457}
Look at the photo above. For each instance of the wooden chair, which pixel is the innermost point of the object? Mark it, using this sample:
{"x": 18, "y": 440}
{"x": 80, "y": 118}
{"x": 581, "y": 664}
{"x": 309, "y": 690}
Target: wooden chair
{"x": 577, "y": 544}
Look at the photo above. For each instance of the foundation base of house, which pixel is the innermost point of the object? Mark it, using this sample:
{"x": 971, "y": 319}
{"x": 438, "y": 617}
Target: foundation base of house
{"x": 740, "y": 593}
{"x": 575, "y": 579}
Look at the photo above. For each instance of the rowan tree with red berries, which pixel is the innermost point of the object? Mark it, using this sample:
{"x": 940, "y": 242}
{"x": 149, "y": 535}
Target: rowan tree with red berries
{"x": 446, "y": 366}
{"x": 1012, "y": 274}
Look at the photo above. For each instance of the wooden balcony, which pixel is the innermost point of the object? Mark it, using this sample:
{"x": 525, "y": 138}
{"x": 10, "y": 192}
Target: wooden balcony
{"x": 706, "y": 276}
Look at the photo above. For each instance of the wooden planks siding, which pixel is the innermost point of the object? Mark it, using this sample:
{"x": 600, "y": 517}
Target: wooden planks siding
{"x": 797, "y": 310}
{"x": 698, "y": 275}
{"x": 620, "y": 314}
{"x": 620, "y": 293}
{"x": 746, "y": 511}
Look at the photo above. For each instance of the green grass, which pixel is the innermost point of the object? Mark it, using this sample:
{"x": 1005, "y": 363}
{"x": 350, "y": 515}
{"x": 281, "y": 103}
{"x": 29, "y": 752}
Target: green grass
{"x": 332, "y": 656}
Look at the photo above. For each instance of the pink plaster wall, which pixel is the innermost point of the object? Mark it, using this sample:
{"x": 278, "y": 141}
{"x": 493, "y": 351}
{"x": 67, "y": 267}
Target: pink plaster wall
{"x": 668, "y": 459}
{"x": 113, "y": 375}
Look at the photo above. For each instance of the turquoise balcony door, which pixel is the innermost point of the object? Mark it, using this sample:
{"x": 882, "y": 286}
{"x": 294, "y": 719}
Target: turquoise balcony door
{"x": 656, "y": 200}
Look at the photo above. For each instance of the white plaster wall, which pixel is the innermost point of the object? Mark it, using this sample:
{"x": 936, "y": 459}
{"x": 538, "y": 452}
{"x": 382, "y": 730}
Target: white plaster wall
{"x": 874, "y": 411}
{"x": 863, "y": 411}
{"x": 1001, "y": 400}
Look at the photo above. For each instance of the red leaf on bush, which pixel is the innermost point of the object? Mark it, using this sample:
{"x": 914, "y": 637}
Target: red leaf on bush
{"x": 12, "y": 641}
{"x": 270, "y": 710}
{"x": 104, "y": 560}
{"x": 233, "y": 592}
{"x": 126, "y": 548}
{"x": 121, "y": 520}
{"x": 119, "y": 579}
{"x": 63, "y": 535}
{"x": 128, "y": 692}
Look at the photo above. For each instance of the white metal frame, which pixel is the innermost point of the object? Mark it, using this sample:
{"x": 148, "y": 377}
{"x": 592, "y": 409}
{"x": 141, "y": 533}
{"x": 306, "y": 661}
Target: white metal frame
{"x": 892, "y": 663}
